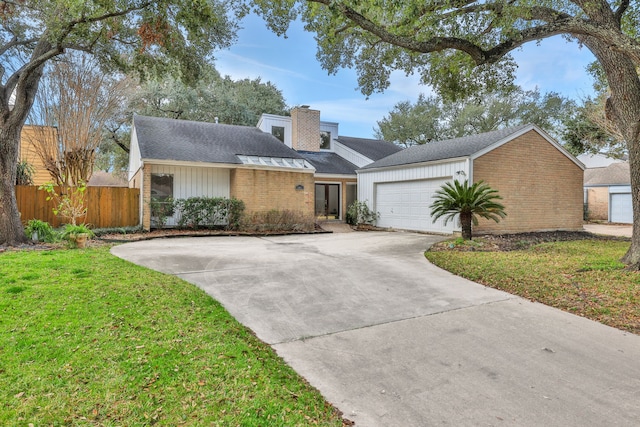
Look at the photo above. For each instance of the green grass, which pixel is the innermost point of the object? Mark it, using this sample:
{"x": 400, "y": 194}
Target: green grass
{"x": 89, "y": 339}
{"x": 583, "y": 277}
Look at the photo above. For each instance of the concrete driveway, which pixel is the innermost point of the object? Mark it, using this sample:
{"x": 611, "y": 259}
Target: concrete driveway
{"x": 393, "y": 341}
{"x": 621, "y": 230}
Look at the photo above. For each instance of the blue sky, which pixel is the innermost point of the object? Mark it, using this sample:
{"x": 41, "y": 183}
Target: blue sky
{"x": 290, "y": 64}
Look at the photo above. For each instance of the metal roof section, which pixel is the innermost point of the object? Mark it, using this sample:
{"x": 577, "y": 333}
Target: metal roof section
{"x": 275, "y": 162}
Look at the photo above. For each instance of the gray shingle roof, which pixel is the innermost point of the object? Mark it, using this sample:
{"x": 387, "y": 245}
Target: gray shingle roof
{"x": 183, "y": 140}
{"x": 329, "y": 163}
{"x": 375, "y": 149}
{"x": 447, "y": 149}
{"x": 614, "y": 174}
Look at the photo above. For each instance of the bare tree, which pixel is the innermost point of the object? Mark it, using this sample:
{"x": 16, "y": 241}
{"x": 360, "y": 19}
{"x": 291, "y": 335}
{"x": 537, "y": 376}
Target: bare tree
{"x": 77, "y": 99}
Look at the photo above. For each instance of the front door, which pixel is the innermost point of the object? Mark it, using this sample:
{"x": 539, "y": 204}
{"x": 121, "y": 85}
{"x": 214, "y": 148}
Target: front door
{"x": 328, "y": 201}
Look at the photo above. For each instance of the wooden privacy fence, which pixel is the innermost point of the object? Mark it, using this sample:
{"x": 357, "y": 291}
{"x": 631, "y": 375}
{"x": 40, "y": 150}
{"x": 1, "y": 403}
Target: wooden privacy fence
{"x": 106, "y": 206}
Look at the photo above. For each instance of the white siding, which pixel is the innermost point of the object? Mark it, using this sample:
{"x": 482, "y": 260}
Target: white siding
{"x": 332, "y": 128}
{"x": 195, "y": 182}
{"x": 135, "y": 162}
{"x": 620, "y": 205}
{"x": 268, "y": 120}
{"x": 405, "y": 205}
{"x": 368, "y": 181}
{"x": 351, "y": 155}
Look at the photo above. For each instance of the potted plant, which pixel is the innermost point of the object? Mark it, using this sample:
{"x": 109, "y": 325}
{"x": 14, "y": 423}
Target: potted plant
{"x": 77, "y": 234}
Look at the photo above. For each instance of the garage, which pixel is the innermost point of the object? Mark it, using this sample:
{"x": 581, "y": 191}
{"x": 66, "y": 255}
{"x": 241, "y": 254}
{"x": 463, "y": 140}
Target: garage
{"x": 545, "y": 194}
{"x": 621, "y": 209}
{"x": 406, "y": 205}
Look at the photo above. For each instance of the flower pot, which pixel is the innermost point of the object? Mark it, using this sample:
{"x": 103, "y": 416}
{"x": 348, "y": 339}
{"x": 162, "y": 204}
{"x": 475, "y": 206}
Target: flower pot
{"x": 81, "y": 239}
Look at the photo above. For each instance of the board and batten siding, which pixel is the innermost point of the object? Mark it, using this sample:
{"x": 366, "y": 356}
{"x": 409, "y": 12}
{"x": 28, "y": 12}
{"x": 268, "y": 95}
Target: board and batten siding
{"x": 268, "y": 120}
{"x": 368, "y": 180}
{"x": 195, "y": 182}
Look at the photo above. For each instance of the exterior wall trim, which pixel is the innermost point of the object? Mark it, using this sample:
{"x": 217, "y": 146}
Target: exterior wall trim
{"x": 223, "y": 166}
{"x": 412, "y": 165}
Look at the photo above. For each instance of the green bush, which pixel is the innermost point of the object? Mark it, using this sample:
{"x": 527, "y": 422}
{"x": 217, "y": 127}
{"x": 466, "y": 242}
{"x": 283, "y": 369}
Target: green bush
{"x": 278, "y": 220}
{"x": 161, "y": 209}
{"x": 24, "y": 173}
{"x": 70, "y": 231}
{"x": 359, "y": 213}
{"x": 198, "y": 212}
{"x": 43, "y": 230}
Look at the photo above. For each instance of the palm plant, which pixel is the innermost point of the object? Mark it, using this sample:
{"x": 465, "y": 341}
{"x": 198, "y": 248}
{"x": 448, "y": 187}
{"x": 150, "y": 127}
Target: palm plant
{"x": 469, "y": 202}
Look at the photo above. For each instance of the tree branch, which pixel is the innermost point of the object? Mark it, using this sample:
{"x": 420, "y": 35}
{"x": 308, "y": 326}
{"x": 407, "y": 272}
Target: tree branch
{"x": 624, "y": 5}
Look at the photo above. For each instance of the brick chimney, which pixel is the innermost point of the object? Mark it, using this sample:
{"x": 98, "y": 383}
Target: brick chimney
{"x": 305, "y": 133}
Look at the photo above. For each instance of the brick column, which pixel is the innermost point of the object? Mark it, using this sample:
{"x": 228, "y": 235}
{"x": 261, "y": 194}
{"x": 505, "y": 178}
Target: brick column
{"x": 146, "y": 197}
{"x": 305, "y": 129}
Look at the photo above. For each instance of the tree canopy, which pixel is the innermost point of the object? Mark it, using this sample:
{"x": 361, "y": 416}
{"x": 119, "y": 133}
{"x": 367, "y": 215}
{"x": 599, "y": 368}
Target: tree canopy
{"x": 211, "y": 98}
{"x": 150, "y": 37}
{"x": 464, "y": 47}
{"x": 433, "y": 118}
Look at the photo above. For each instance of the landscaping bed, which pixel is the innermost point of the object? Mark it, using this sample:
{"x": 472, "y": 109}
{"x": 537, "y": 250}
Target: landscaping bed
{"x": 519, "y": 241}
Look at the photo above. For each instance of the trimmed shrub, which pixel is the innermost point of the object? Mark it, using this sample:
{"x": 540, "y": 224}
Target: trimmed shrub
{"x": 161, "y": 210}
{"x": 199, "y": 212}
{"x": 278, "y": 220}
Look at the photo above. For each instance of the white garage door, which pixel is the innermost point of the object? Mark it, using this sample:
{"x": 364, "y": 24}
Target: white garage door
{"x": 405, "y": 205}
{"x": 621, "y": 209}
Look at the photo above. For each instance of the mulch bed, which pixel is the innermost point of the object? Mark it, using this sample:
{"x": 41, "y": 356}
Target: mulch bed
{"x": 512, "y": 242}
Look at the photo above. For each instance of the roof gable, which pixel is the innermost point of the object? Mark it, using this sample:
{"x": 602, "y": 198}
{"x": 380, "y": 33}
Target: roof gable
{"x": 189, "y": 141}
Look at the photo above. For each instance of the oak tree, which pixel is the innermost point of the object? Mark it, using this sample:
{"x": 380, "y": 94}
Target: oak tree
{"x": 434, "y": 118}
{"x": 147, "y": 36}
{"x": 464, "y": 46}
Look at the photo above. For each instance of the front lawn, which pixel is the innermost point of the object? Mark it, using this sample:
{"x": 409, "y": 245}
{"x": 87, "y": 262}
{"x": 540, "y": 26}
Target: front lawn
{"x": 89, "y": 339}
{"x": 583, "y": 277}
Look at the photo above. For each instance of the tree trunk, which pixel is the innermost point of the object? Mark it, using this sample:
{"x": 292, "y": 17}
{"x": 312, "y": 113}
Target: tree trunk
{"x": 11, "y": 229}
{"x": 465, "y": 224}
{"x": 623, "y": 107}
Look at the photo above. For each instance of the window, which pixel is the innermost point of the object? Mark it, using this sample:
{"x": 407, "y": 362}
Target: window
{"x": 278, "y": 132}
{"x": 325, "y": 140}
{"x": 162, "y": 189}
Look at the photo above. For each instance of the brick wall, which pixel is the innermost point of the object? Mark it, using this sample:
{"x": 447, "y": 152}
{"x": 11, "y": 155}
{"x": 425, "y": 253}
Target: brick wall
{"x": 146, "y": 197}
{"x": 264, "y": 190}
{"x": 305, "y": 128}
{"x": 598, "y": 203}
{"x": 542, "y": 189}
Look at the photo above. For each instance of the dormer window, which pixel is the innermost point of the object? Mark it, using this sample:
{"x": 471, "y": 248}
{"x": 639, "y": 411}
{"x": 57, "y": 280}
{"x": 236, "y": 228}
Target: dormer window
{"x": 325, "y": 140}
{"x": 278, "y": 132}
